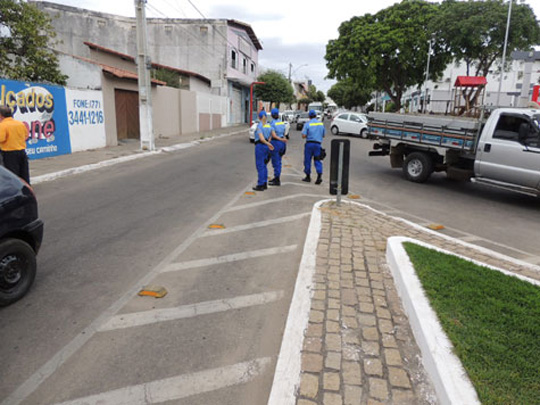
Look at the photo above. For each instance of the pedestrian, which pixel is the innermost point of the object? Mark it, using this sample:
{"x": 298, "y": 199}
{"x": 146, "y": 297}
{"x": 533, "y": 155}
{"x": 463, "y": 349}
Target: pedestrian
{"x": 263, "y": 133}
{"x": 13, "y": 136}
{"x": 313, "y": 133}
{"x": 279, "y": 142}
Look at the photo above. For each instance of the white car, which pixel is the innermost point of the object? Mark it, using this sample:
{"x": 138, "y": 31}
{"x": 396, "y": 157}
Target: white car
{"x": 350, "y": 123}
{"x": 282, "y": 117}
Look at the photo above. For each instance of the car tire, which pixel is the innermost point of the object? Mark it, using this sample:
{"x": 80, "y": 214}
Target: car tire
{"x": 17, "y": 270}
{"x": 335, "y": 130}
{"x": 363, "y": 134}
{"x": 417, "y": 167}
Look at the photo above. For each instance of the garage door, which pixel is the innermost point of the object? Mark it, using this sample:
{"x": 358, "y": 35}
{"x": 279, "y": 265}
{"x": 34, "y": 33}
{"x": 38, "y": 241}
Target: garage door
{"x": 237, "y": 106}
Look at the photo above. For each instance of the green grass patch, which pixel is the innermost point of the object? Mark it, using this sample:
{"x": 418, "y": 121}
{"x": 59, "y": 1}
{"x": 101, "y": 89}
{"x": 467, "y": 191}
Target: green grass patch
{"x": 493, "y": 321}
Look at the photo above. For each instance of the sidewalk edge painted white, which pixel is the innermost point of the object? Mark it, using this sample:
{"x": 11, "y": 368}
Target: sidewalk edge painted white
{"x": 288, "y": 367}
{"x": 447, "y": 374}
{"x": 111, "y": 162}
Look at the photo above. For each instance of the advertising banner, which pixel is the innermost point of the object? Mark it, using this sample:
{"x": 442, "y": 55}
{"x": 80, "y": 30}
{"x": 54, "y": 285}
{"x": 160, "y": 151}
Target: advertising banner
{"x": 86, "y": 119}
{"x": 42, "y": 108}
{"x": 59, "y": 120}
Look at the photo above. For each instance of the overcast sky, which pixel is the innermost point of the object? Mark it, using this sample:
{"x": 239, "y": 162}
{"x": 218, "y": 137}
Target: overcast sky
{"x": 291, "y": 31}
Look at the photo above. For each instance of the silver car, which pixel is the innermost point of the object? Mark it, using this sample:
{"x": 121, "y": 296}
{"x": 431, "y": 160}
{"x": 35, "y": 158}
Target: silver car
{"x": 350, "y": 123}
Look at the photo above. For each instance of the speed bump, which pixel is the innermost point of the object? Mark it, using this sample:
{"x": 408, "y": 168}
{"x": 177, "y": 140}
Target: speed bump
{"x": 435, "y": 227}
{"x": 155, "y": 291}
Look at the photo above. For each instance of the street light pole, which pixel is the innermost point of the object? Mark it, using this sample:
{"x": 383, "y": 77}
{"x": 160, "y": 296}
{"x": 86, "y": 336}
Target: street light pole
{"x": 143, "y": 70}
{"x": 427, "y": 77}
{"x": 504, "y": 51}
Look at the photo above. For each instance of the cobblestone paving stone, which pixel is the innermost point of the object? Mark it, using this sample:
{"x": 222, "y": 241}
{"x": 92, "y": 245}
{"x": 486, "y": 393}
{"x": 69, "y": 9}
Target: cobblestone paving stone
{"x": 358, "y": 347}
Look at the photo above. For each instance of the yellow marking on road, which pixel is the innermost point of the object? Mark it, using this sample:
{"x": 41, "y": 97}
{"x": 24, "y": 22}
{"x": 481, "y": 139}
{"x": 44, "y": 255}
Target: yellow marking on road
{"x": 354, "y": 197}
{"x": 249, "y": 193}
{"x": 435, "y": 227}
{"x": 216, "y": 226}
{"x": 155, "y": 291}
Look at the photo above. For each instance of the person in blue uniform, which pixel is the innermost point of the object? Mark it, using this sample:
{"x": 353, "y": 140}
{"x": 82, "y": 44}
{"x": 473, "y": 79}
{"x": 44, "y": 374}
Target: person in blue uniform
{"x": 313, "y": 133}
{"x": 263, "y": 133}
{"x": 279, "y": 142}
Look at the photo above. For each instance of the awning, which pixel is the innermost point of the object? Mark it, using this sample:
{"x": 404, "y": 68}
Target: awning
{"x": 470, "y": 81}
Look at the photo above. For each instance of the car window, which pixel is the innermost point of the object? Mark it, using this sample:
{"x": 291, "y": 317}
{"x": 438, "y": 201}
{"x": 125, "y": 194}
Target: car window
{"x": 343, "y": 116}
{"x": 355, "y": 118}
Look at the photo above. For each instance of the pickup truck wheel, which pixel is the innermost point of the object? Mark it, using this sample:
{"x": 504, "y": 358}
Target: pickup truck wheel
{"x": 418, "y": 167}
{"x": 335, "y": 130}
{"x": 17, "y": 270}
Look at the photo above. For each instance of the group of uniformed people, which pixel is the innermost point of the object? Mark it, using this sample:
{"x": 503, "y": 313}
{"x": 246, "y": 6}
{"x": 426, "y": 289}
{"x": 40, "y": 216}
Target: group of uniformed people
{"x": 271, "y": 144}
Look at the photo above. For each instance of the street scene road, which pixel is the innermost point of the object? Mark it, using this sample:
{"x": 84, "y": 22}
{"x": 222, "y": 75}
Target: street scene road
{"x": 83, "y": 331}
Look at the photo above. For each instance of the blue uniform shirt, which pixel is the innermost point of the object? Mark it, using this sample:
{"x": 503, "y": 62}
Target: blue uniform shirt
{"x": 279, "y": 128}
{"x": 314, "y": 130}
{"x": 265, "y": 129}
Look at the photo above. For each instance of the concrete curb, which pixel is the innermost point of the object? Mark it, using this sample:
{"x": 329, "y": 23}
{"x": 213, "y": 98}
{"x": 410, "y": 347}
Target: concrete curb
{"x": 111, "y": 162}
{"x": 445, "y": 370}
{"x": 288, "y": 367}
{"x": 449, "y": 378}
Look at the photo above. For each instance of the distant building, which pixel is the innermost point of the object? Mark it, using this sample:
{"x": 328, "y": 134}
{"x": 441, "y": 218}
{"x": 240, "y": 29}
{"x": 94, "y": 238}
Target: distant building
{"x": 523, "y": 70}
{"x": 225, "y": 51}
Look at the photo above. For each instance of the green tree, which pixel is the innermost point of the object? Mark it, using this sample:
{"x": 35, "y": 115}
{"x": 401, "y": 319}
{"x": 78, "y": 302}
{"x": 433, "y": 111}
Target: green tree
{"x": 473, "y": 32}
{"x": 25, "y": 34}
{"x": 347, "y": 93}
{"x": 315, "y": 95}
{"x": 387, "y": 51}
{"x": 277, "y": 88}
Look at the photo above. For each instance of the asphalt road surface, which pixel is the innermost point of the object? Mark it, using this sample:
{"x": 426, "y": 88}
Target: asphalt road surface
{"x": 82, "y": 332}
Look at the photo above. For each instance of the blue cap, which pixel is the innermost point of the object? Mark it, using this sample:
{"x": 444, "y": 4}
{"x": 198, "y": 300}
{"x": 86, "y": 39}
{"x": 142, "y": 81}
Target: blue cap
{"x": 262, "y": 114}
{"x": 312, "y": 113}
{"x": 274, "y": 111}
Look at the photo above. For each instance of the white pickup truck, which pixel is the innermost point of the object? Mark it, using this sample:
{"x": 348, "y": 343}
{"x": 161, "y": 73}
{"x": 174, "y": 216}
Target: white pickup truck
{"x": 502, "y": 151}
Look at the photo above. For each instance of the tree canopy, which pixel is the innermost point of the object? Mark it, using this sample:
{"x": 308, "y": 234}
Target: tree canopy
{"x": 474, "y": 31}
{"x": 25, "y": 34}
{"x": 277, "y": 88}
{"x": 347, "y": 93}
{"x": 387, "y": 51}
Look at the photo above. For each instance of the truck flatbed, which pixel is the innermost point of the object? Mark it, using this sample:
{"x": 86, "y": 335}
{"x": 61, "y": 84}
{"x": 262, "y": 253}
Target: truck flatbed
{"x": 441, "y": 131}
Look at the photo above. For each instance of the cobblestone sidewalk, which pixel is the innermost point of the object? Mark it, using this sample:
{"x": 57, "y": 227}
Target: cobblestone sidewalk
{"x": 358, "y": 347}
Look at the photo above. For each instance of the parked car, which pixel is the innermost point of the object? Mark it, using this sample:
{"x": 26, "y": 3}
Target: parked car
{"x": 282, "y": 117}
{"x": 350, "y": 123}
{"x": 21, "y": 232}
{"x": 301, "y": 120}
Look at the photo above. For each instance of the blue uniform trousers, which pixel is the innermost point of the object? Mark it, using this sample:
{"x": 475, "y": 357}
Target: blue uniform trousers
{"x": 312, "y": 150}
{"x": 279, "y": 149}
{"x": 261, "y": 154}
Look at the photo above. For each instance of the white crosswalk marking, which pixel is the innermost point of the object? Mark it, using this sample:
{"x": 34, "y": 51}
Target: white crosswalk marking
{"x": 178, "y": 387}
{"x": 271, "y": 201}
{"x": 254, "y": 225}
{"x": 228, "y": 258}
{"x": 188, "y": 311}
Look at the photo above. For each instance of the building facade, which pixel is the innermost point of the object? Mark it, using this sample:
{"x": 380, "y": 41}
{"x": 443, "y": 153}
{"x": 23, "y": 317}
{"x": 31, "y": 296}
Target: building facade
{"x": 223, "y": 50}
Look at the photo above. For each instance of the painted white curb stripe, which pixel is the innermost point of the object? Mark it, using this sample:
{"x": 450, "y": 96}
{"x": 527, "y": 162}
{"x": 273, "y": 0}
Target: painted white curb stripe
{"x": 254, "y": 225}
{"x": 228, "y": 258}
{"x": 271, "y": 201}
{"x": 178, "y": 387}
{"x": 448, "y": 375}
{"x": 287, "y": 374}
{"x": 123, "y": 321}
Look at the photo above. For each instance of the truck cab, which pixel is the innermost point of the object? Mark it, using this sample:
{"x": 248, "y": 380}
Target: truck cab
{"x": 508, "y": 152}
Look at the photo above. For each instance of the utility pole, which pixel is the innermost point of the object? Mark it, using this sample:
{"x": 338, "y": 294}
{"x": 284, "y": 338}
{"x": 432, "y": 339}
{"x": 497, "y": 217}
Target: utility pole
{"x": 290, "y": 67}
{"x": 145, "y": 88}
{"x": 424, "y": 107}
{"x": 504, "y": 52}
